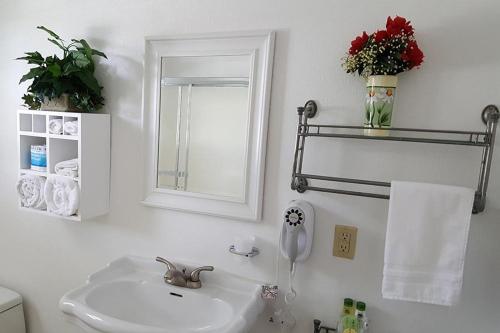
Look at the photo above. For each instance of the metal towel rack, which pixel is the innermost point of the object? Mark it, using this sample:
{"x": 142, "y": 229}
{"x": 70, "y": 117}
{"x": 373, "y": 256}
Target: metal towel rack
{"x": 486, "y": 139}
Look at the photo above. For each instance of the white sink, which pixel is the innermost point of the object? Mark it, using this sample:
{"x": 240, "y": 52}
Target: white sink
{"x": 130, "y": 296}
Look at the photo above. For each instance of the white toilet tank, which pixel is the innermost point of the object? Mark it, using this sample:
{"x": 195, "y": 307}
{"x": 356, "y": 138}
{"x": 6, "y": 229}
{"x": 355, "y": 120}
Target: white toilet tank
{"x": 11, "y": 312}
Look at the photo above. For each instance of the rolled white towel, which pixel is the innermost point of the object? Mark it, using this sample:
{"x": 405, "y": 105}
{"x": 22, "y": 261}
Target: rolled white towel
{"x": 71, "y": 127}
{"x": 56, "y": 126}
{"x": 67, "y": 168}
{"x": 30, "y": 189}
{"x": 62, "y": 195}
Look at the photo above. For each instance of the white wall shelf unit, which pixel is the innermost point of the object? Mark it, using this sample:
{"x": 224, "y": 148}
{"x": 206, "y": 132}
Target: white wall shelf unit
{"x": 90, "y": 145}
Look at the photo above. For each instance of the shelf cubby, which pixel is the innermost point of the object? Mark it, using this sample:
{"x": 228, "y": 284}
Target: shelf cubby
{"x": 61, "y": 150}
{"x": 25, "y": 143}
{"x": 90, "y": 145}
{"x": 25, "y": 122}
{"x": 66, "y": 120}
{"x": 39, "y": 123}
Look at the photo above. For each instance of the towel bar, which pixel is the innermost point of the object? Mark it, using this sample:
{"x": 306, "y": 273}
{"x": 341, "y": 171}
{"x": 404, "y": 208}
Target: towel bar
{"x": 484, "y": 139}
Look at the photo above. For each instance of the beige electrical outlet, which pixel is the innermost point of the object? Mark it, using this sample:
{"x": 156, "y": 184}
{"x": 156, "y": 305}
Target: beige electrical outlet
{"x": 344, "y": 241}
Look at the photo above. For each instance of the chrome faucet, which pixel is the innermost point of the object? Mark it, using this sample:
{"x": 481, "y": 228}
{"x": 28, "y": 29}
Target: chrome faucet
{"x": 179, "y": 278}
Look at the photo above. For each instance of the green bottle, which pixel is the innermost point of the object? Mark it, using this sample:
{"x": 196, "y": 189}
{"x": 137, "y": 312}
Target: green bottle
{"x": 348, "y": 307}
{"x": 348, "y": 321}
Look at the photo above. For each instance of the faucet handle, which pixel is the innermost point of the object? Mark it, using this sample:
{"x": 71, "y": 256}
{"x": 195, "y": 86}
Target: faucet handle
{"x": 170, "y": 266}
{"x": 195, "y": 274}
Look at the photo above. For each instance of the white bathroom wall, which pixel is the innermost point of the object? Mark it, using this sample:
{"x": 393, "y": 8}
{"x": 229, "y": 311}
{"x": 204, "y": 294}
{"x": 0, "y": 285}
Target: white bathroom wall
{"x": 42, "y": 258}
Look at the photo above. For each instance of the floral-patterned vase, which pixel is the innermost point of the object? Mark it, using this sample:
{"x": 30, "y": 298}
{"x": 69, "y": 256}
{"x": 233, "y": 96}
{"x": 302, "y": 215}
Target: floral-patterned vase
{"x": 381, "y": 90}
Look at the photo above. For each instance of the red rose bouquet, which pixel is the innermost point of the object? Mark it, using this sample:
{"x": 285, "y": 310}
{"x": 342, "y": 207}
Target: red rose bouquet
{"x": 384, "y": 52}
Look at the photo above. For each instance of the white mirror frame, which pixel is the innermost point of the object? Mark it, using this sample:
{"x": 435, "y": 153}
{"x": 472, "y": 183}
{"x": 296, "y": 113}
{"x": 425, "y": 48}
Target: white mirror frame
{"x": 260, "y": 46}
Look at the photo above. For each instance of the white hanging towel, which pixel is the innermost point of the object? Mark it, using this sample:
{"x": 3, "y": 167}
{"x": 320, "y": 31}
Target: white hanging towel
{"x": 30, "y": 189}
{"x": 62, "y": 195}
{"x": 67, "y": 168}
{"x": 427, "y": 233}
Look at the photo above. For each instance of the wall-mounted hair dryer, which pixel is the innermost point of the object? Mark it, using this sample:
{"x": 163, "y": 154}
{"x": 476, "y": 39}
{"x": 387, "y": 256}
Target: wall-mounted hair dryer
{"x": 297, "y": 231}
{"x": 295, "y": 245}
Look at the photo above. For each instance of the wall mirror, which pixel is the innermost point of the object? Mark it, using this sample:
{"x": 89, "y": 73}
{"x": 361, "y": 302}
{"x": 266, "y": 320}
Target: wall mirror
{"x": 206, "y": 101}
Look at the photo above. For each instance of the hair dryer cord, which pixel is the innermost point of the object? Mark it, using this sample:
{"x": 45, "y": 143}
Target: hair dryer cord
{"x": 291, "y": 294}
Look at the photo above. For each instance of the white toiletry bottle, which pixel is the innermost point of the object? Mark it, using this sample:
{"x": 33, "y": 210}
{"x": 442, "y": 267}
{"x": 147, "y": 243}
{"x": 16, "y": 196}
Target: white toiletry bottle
{"x": 361, "y": 317}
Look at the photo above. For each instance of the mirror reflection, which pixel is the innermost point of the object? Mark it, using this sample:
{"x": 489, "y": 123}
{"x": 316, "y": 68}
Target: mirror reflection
{"x": 204, "y": 124}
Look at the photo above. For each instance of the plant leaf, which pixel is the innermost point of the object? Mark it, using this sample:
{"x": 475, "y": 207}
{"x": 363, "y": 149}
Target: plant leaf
{"x": 80, "y": 59}
{"x": 31, "y": 101}
{"x": 86, "y": 47}
{"x": 58, "y": 44}
{"x": 70, "y": 68}
{"x": 55, "y": 69}
{"x": 98, "y": 53}
{"x": 51, "y": 60}
{"x": 90, "y": 81}
{"x": 34, "y": 72}
{"x": 50, "y": 32}
{"x": 32, "y": 58}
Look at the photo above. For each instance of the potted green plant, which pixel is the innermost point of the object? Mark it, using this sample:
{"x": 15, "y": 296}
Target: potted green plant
{"x": 63, "y": 84}
{"x": 379, "y": 57}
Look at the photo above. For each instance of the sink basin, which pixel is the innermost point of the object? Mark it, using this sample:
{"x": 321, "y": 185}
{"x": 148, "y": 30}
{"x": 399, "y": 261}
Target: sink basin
{"x": 130, "y": 296}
